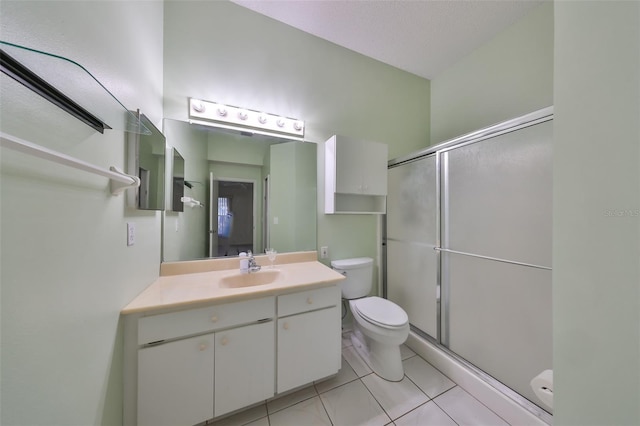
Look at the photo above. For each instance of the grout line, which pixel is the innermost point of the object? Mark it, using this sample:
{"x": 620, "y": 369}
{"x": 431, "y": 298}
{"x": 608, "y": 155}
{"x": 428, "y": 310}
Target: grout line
{"x": 325, "y": 410}
{"x": 376, "y": 400}
{"x": 442, "y": 408}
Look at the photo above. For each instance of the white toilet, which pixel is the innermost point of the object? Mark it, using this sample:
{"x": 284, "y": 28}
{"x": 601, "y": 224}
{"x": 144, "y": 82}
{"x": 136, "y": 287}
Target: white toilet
{"x": 380, "y": 326}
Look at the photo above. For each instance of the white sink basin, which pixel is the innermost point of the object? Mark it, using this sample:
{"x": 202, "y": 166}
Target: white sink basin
{"x": 262, "y": 277}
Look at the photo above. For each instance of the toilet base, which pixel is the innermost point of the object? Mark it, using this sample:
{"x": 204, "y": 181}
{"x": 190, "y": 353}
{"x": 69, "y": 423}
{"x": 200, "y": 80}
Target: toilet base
{"x": 384, "y": 359}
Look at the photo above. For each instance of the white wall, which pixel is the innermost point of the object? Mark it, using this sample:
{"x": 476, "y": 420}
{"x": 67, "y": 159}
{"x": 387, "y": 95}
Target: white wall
{"x": 596, "y": 238}
{"x": 66, "y": 269}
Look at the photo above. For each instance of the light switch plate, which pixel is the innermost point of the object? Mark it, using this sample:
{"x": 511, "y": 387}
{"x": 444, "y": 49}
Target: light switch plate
{"x": 131, "y": 233}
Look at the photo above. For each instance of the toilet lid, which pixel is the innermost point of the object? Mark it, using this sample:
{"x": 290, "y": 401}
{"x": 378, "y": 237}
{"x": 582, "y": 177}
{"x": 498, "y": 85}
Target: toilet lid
{"x": 381, "y": 311}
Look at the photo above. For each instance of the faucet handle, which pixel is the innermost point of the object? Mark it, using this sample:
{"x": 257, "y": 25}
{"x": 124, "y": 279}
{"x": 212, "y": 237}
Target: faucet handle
{"x": 249, "y": 254}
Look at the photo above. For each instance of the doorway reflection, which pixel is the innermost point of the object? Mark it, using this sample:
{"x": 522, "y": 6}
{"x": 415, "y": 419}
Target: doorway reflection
{"x": 233, "y": 219}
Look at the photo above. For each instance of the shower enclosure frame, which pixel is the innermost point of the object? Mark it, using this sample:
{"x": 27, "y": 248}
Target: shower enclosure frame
{"x": 440, "y": 152}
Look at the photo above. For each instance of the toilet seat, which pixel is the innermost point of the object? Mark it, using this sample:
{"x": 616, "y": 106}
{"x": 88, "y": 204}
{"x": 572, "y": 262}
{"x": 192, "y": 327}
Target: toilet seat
{"x": 381, "y": 312}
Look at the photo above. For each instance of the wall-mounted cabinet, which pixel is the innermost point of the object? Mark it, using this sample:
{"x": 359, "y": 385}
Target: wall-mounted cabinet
{"x": 355, "y": 176}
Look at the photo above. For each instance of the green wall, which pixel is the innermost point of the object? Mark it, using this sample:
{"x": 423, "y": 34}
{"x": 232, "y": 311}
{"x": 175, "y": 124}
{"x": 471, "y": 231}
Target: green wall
{"x": 509, "y": 76}
{"x": 66, "y": 268}
{"x": 221, "y": 52}
{"x": 596, "y": 238}
{"x": 293, "y": 197}
{"x": 186, "y": 232}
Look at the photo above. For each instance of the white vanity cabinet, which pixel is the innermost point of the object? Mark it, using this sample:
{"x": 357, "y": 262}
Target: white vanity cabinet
{"x": 187, "y": 380}
{"x": 355, "y": 176}
{"x": 188, "y": 366}
{"x": 309, "y": 339}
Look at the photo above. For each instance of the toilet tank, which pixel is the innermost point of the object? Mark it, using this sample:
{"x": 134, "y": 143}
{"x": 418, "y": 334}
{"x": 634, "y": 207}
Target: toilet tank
{"x": 359, "y": 276}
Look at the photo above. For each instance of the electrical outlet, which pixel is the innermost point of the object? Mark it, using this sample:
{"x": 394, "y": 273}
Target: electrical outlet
{"x": 324, "y": 252}
{"x": 131, "y": 233}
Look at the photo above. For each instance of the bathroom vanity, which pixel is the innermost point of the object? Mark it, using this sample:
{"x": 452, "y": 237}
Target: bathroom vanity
{"x": 204, "y": 344}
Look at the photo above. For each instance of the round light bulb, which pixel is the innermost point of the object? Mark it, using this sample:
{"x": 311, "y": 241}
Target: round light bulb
{"x": 198, "y": 106}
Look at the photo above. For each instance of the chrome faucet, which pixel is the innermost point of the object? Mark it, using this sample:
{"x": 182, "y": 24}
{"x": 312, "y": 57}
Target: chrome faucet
{"x": 253, "y": 266}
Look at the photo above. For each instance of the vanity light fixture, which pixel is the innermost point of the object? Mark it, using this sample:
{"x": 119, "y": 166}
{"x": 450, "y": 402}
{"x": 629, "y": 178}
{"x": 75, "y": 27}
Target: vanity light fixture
{"x": 244, "y": 120}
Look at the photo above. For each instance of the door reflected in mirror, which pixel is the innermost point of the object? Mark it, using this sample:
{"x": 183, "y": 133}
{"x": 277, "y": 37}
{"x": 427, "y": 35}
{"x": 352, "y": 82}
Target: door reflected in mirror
{"x": 177, "y": 182}
{"x": 257, "y": 192}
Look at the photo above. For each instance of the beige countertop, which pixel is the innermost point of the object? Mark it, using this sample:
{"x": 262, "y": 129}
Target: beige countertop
{"x": 187, "y": 289}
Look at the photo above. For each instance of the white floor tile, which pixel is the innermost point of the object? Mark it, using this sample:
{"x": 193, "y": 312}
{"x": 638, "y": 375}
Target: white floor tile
{"x": 405, "y": 352}
{"x": 466, "y": 410}
{"x": 428, "y": 378}
{"x": 396, "y": 398}
{"x": 355, "y": 361}
{"x": 346, "y": 338}
{"x": 345, "y": 375}
{"x": 352, "y": 404}
{"x": 291, "y": 399}
{"x": 309, "y": 413}
{"x": 426, "y": 414}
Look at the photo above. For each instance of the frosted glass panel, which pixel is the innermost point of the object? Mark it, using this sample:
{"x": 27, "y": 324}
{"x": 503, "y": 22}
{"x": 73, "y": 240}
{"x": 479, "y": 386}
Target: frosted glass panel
{"x": 499, "y": 196}
{"x": 500, "y": 319}
{"x": 412, "y": 273}
{"x": 411, "y": 201}
{"x": 411, "y": 237}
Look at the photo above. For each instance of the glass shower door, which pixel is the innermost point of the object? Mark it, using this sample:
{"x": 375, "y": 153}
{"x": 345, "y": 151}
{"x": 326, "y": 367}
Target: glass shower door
{"x": 412, "y": 205}
{"x": 496, "y": 254}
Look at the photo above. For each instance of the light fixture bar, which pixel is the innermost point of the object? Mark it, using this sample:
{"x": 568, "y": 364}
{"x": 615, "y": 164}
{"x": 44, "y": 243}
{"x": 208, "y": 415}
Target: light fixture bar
{"x": 244, "y": 120}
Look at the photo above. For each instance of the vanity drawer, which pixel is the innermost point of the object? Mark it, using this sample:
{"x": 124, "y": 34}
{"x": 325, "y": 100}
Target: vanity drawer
{"x": 194, "y": 321}
{"x": 308, "y": 300}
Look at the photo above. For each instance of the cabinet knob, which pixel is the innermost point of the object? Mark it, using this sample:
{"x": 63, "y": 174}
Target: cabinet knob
{"x": 309, "y": 301}
{"x": 224, "y": 341}
{"x": 214, "y": 318}
{"x": 285, "y": 325}
{"x": 203, "y": 347}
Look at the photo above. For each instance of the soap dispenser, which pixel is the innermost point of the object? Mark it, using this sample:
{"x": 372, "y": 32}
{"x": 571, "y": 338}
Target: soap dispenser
{"x": 244, "y": 263}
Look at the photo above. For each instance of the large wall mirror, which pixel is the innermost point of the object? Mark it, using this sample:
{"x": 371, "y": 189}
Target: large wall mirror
{"x": 254, "y": 192}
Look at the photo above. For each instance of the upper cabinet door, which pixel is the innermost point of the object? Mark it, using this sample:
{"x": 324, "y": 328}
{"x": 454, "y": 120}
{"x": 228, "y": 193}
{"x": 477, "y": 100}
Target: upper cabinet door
{"x": 361, "y": 167}
{"x": 355, "y": 176}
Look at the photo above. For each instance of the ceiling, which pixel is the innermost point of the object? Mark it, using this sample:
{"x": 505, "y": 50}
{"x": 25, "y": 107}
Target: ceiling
{"x": 423, "y": 37}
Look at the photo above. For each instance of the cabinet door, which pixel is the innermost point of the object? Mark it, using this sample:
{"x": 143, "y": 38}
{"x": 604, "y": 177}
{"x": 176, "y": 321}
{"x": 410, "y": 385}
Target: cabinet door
{"x": 175, "y": 382}
{"x": 244, "y": 366}
{"x": 349, "y": 165}
{"x": 308, "y": 347}
{"x": 374, "y": 171}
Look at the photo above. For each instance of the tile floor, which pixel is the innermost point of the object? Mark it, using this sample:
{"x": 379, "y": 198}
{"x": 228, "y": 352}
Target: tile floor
{"x": 356, "y": 396}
